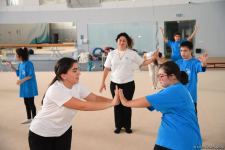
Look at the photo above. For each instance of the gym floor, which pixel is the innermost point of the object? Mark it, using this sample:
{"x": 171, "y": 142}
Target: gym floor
{"x": 94, "y": 130}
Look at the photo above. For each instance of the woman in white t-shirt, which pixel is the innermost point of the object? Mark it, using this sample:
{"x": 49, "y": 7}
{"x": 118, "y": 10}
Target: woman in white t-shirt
{"x": 122, "y": 63}
{"x": 51, "y": 129}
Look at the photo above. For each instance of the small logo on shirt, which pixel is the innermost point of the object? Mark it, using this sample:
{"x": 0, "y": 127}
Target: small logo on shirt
{"x": 188, "y": 71}
{"x": 23, "y": 72}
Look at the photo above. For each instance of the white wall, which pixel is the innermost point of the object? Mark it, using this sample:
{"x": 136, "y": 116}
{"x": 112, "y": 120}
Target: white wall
{"x": 209, "y": 16}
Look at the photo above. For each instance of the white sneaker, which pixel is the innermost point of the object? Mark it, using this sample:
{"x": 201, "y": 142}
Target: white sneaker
{"x": 27, "y": 121}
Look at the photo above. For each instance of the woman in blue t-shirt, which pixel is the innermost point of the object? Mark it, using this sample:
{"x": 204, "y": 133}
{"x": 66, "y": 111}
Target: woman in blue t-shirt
{"x": 27, "y": 82}
{"x": 179, "y": 127}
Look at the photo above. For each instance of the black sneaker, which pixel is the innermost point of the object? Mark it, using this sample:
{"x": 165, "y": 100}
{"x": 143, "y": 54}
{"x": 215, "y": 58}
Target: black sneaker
{"x": 129, "y": 131}
{"x": 117, "y": 131}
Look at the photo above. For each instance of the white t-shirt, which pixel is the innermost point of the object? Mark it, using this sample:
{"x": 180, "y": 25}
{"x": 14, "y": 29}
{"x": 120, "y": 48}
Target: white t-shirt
{"x": 54, "y": 119}
{"x": 123, "y": 66}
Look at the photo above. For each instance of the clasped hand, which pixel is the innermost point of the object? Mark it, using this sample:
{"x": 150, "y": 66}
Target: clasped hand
{"x": 119, "y": 97}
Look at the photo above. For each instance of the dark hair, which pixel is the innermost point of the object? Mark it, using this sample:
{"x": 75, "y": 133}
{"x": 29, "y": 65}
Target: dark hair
{"x": 177, "y": 33}
{"x": 23, "y": 53}
{"x": 187, "y": 44}
{"x": 160, "y": 54}
{"x": 171, "y": 67}
{"x": 130, "y": 41}
{"x": 61, "y": 67}
{"x": 90, "y": 57}
{"x": 155, "y": 61}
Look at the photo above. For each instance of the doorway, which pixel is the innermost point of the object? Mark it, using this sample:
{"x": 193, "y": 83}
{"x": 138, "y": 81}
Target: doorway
{"x": 184, "y": 27}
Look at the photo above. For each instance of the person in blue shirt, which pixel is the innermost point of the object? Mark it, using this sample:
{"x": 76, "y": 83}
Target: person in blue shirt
{"x": 175, "y": 45}
{"x": 90, "y": 63}
{"x": 27, "y": 82}
{"x": 179, "y": 129}
{"x": 192, "y": 67}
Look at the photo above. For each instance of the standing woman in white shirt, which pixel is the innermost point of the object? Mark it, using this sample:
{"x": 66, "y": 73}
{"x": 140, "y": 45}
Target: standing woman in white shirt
{"x": 122, "y": 63}
{"x": 51, "y": 129}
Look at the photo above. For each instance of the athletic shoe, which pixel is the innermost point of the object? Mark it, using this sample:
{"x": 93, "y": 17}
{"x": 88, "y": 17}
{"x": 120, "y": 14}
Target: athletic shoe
{"x": 27, "y": 121}
{"x": 117, "y": 131}
{"x": 129, "y": 131}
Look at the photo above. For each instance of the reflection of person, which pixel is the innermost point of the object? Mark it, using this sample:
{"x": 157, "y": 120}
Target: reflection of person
{"x": 27, "y": 82}
{"x": 90, "y": 63}
{"x": 175, "y": 45}
{"x": 192, "y": 67}
{"x": 51, "y": 129}
{"x": 179, "y": 127}
{"x": 122, "y": 62}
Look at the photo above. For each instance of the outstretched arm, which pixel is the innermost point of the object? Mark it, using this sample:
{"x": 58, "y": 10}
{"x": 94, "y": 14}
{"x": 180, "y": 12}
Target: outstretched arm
{"x": 10, "y": 64}
{"x": 193, "y": 34}
{"x": 14, "y": 69}
{"x": 96, "y": 98}
{"x": 138, "y": 103}
{"x": 148, "y": 61}
{"x": 92, "y": 103}
{"x": 162, "y": 32}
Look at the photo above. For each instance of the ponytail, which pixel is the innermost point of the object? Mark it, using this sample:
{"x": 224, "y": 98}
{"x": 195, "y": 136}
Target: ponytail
{"x": 183, "y": 78}
{"x": 23, "y": 53}
{"x": 171, "y": 67}
{"x": 53, "y": 81}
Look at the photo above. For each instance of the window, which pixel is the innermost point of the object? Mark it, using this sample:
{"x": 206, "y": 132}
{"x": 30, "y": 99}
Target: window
{"x": 12, "y": 2}
{"x": 44, "y": 2}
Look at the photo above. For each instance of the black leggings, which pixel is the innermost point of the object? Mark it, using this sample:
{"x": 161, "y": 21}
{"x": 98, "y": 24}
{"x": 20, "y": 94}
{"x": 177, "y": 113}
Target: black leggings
{"x": 63, "y": 142}
{"x": 30, "y": 107}
{"x": 123, "y": 114}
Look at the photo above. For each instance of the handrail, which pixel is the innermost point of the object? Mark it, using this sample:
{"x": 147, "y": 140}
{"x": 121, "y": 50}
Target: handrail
{"x": 36, "y": 45}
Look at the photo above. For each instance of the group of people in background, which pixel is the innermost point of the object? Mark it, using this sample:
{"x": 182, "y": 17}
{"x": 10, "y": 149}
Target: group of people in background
{"x": 182, "y": 54}
{"x": 51, "y": 128}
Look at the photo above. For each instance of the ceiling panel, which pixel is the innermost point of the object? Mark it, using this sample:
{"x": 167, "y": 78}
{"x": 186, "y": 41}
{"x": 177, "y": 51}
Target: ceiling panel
{"x": 89, "y": 3}
{"x": 103, "y": 3}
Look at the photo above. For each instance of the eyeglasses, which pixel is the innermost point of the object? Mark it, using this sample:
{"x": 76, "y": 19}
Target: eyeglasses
{"x": 161, "y": 75}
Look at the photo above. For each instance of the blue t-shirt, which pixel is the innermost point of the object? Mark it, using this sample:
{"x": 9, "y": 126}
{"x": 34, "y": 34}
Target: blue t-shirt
{"x": 192, "y": 67}
{"x": 175, "y": 47}
{"x": 29, "y": 87}
{"x": 179, "y": 129}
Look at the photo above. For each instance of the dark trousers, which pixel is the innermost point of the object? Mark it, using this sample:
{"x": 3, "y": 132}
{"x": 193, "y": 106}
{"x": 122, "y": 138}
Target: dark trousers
{"x": 123, "y": 114}
{"x": 30, "y": 107}
{"x": 196, "y": 111}
{"x": 158, "y": 147}
{"x": 62, "y": 142}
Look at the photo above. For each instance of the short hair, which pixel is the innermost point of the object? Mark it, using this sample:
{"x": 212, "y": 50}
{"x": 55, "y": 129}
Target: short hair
{"x": 187, "y": 44}
{"x": 177, "y": 33}
{"x": 130, "y": 41}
